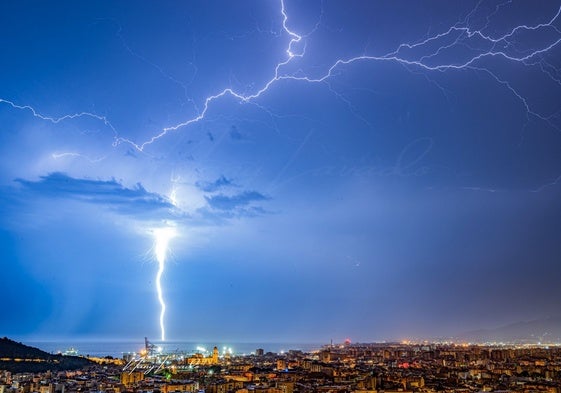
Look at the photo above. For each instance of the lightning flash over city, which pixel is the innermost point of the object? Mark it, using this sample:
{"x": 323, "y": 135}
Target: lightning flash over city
{"x": 336, "y": 168}
{"x": 161, "y": 243}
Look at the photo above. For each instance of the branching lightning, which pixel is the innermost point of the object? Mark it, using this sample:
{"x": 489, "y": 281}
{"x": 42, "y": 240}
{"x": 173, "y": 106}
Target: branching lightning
{"x": 56, "y": 120}
{"x": 424, "y": 55}
{"x": 294, "y": 39}
{"x": 162, "y": 237}
{"x": 461, "y": 33}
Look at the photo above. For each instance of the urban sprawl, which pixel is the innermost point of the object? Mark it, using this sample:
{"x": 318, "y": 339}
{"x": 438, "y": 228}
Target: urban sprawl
{"x": 346, "y": 368}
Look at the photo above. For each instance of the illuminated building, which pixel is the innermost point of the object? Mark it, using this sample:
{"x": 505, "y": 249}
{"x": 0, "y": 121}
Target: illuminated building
{"x": 199, "y": 359}
{"x": 128, "y": 379}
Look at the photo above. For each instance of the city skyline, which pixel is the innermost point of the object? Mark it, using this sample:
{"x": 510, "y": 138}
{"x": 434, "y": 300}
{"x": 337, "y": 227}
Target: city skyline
{"x": 279, "y": 171}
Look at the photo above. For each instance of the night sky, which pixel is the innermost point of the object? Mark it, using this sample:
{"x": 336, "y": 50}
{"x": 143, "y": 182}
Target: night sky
{"x": 364, "y": 169}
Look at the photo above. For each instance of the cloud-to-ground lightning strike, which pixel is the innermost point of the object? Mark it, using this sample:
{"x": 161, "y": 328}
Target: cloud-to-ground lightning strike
{"x": 162, "y": 237}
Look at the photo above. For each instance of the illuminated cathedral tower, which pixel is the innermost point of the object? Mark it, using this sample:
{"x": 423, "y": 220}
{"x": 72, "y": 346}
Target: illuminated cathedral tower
{"x": 215, "y": 355}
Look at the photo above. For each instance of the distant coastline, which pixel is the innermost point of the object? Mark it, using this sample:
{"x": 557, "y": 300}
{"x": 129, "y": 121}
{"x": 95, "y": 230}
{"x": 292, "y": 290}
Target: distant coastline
{"x": 116, "y": 349}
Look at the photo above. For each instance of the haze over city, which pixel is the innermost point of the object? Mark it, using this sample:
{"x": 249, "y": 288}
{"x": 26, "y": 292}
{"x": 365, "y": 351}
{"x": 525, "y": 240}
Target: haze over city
{"x": 278, "y": 171}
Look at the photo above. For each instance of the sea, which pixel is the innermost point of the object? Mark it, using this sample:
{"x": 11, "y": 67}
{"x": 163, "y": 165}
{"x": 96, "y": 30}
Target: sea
{"x": 117, "y": 349}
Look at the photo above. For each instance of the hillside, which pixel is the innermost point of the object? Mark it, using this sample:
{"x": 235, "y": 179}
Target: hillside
{"x": 17, "y": 357}
{"x": 544, "y": 330}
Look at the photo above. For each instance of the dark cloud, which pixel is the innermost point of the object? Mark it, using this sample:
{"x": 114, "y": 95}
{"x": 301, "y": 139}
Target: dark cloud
{"x": 229, "y": 203}
{"x": 216, "y": 185}
{"x": 102, "y": 192}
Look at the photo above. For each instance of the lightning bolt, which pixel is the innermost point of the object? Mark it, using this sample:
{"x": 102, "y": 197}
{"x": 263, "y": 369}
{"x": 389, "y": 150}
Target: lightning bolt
{"x": 77, "y": 155}
{"x": 56, "y": 120}
{"x": 461, "y": 34}
{"x": 162, "y": 237}
{"x": 425, "y": 55}
{"x": 290, "y": 52}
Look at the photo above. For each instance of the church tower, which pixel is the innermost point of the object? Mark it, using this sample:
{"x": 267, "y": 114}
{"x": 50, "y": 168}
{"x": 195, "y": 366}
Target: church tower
{"x": 215, "y": 355}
